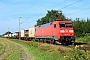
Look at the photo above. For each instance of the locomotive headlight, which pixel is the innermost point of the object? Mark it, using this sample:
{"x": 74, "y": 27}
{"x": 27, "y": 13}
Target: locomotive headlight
{"x": 71, "y": 31}
{"x": 62, "y": 31}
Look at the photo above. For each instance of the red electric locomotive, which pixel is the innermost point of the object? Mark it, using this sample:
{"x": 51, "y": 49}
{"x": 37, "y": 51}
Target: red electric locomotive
{"x": 59, "y": 31}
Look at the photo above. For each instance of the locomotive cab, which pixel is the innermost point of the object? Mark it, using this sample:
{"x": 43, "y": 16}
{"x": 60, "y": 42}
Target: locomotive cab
{"x": 66, "y": 32}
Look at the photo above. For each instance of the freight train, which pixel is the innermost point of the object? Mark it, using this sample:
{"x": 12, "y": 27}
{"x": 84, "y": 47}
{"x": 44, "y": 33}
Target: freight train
{"x": 58, "y": 31}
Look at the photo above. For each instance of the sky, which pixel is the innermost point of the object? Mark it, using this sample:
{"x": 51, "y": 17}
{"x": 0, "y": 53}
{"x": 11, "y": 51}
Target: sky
{"x": 32, "y": 10}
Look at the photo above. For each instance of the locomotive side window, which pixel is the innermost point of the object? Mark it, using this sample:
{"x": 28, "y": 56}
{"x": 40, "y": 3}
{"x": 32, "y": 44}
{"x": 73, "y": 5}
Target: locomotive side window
{"x": 68, "y": 25}
{"x": 62, "y": 25}
{"x": 54, "y": 25}
{"x": 65, "y": 25}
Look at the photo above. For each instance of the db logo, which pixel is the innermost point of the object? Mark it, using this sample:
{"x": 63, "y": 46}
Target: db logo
{"x": 66, "y": 30}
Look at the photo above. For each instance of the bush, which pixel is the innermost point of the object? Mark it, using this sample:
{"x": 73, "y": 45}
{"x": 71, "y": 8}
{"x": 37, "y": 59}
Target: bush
{"x": 77, "y": 54}
{"x": 84, "y": 39}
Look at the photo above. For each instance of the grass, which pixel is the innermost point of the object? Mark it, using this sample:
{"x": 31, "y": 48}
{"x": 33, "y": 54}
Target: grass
{"x": 1, "y": 48}
{"x": 46, "y": 52}
{"x": 84, "y": 39}
{"x": 12, "y": 52}
{"x": 40, "y": 52}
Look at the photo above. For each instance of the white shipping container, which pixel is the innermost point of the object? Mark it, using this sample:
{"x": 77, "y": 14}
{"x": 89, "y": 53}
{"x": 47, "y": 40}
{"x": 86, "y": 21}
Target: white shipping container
{"x": 22, "y": 33}
{"x": 5, "y": 35}
{"x": 31, "y": 32}
{"x": 13, "y": 35}
{"x": 10, "y": 35}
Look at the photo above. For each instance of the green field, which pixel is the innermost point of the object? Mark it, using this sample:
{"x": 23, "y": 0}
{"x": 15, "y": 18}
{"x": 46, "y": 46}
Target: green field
{"x": 40, "y": 51}
{"x": 1, "y": 48}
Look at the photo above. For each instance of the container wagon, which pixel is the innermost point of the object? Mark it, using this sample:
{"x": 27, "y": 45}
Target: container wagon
{"x": 28, "y": 34}
{"x": 32, "y": 33}
{"x": 24, "y": 34}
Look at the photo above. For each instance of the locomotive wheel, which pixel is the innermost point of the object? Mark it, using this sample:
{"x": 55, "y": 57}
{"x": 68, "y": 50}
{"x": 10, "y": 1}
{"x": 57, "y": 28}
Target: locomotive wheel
{"x": 41, "y": 40}
{"x": 44, "y": 41}
{"x": 52, "y": 41}
{"x": 49, "y": 41}
{"x": 38, "y": 40}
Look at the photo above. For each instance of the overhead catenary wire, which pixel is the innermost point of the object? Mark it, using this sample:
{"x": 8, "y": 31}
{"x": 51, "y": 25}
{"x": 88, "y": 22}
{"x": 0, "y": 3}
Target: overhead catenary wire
{"x": 84, "y": 4}
{"x": 79, "y": 6}
{"x": 78, "y": 11}
{"x": 61, "y": 3}
{"x": 24, "y": 20}
{"x": 71, "y": 4}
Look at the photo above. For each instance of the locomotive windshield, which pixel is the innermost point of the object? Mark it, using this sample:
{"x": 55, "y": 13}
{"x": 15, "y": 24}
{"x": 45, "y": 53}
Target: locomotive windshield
{"x": 65, "y": 25}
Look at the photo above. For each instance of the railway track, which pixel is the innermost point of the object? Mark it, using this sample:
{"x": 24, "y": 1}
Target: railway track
{"x": 87, "y": 46}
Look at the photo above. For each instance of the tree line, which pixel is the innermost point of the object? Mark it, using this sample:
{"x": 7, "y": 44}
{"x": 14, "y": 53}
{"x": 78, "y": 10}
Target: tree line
{"x": 81, "y": 27}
